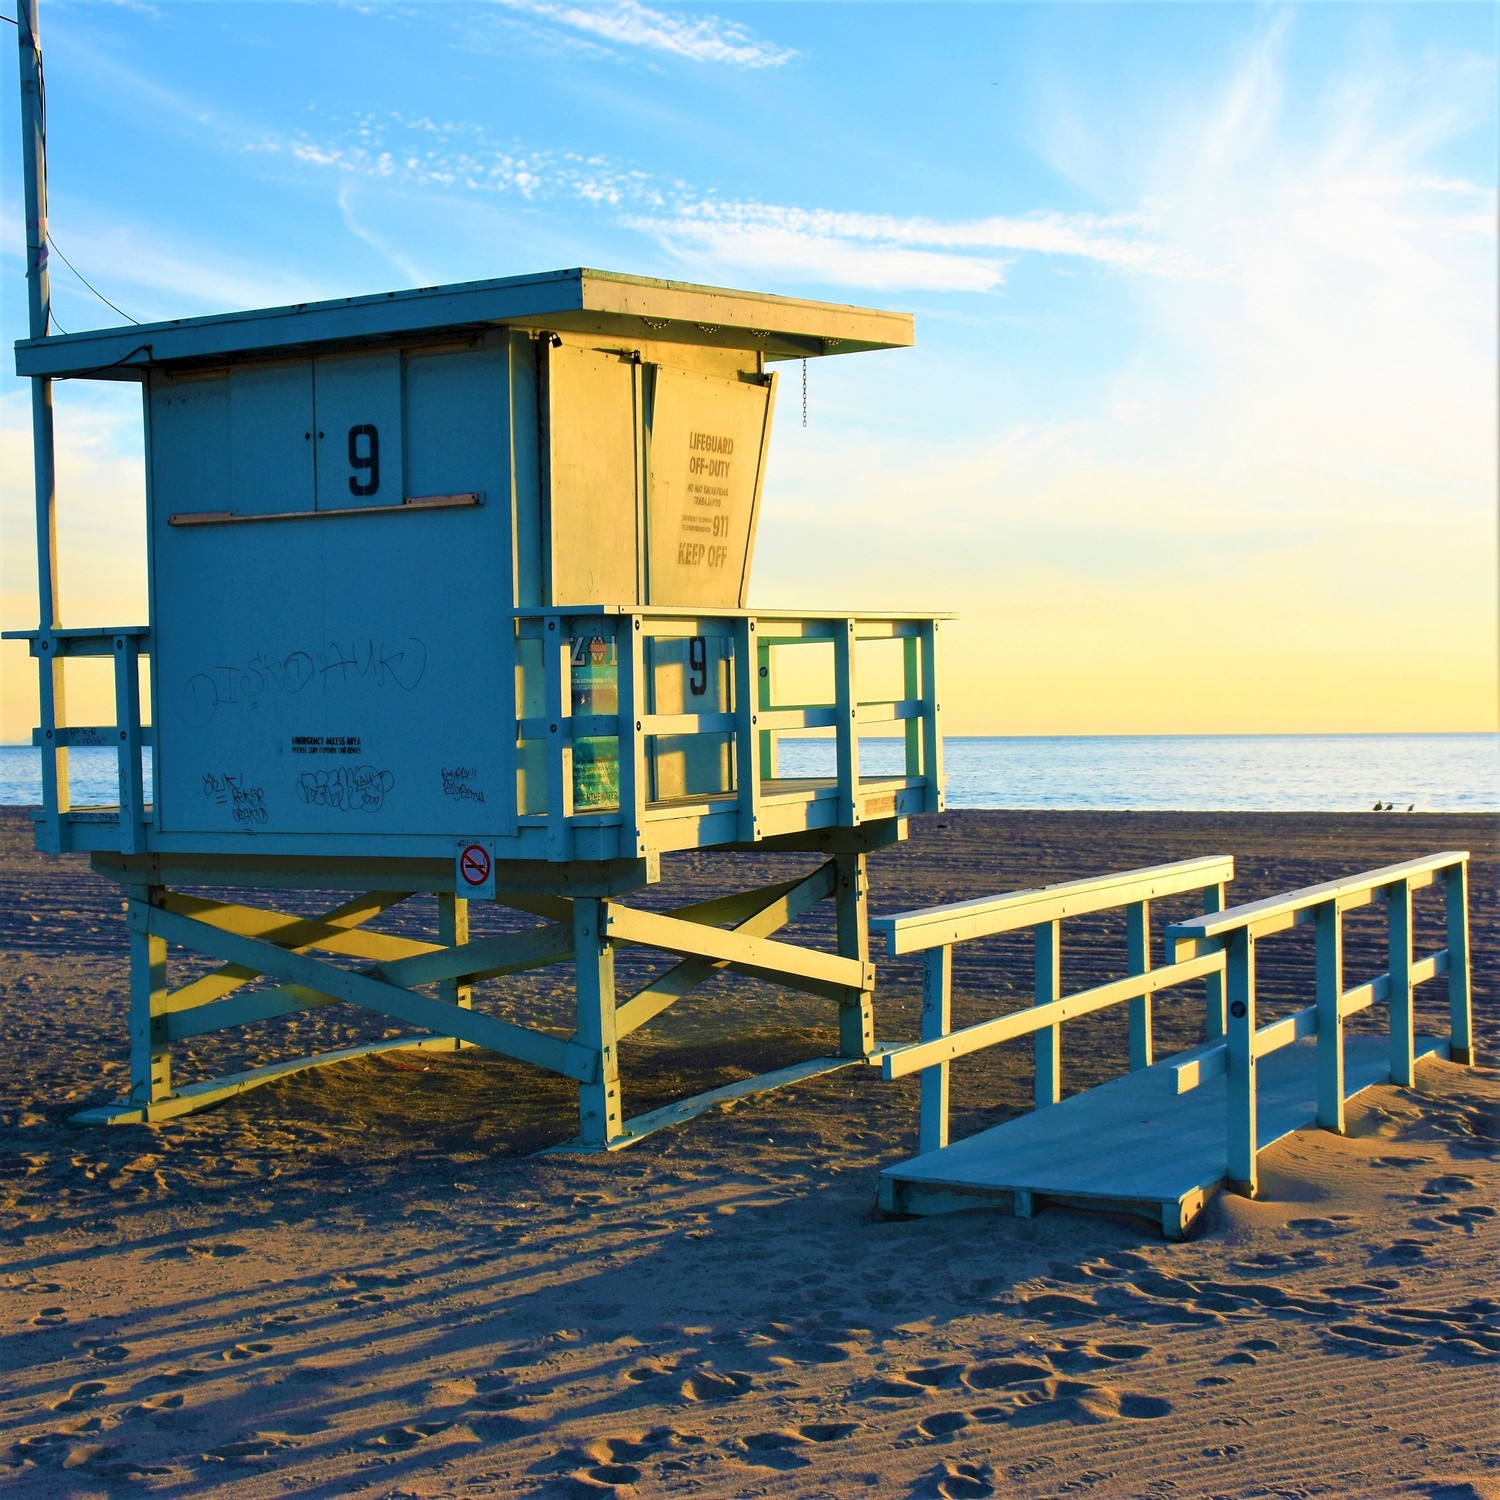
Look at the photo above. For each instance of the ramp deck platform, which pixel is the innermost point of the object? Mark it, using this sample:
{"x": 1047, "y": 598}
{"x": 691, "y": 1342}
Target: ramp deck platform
{"x": 1133, "y": 1144}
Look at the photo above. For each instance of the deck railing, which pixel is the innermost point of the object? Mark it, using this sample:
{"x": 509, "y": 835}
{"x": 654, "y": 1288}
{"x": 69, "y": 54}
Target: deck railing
{"x": 1232, "y": 936}
{"x": 702, "y": 686}
{"x": 934, "y": 931}
{"x": 128, "y": 646}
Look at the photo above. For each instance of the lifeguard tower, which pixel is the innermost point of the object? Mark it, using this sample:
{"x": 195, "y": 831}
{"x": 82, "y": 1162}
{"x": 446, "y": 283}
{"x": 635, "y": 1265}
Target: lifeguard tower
{"x": 448, "y": 594}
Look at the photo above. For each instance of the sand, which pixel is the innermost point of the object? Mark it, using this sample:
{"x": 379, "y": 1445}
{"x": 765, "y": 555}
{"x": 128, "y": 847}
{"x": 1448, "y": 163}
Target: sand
{"x": 361, "y": 1280}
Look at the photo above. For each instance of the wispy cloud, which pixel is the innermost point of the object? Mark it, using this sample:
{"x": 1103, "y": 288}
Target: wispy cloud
{"x": 823, "y": 246}
{"x": 626, "y": 23}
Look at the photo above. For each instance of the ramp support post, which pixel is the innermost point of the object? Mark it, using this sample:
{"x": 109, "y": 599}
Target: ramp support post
{"x": 150, "y": 1048}
{"x": 1460, "y": 1014}
{"x": 1138, "y": 944}
{"x": 1047, "y": 987}
{"x": 1399, "y": 952}
{"x": 1330, "y": 995}
{"x": 937, "y": 1008}
{"x": 1241, "y": 1063}
{"x": 1213, "y": 900}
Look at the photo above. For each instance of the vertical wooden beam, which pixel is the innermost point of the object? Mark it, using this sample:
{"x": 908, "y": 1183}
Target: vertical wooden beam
{"x": 1241, "y": 1064}
{"x": 128, "y": 726}
{"x": 932, "y": 739}
{"x": 599, "y": 1111}
{"x": 749, "y": 744}
{"x": 1138, "y": 956}
{"x": 1398, "y": 950}
{"x": 846, "y": 725}
{"x": 1047, "y": 1079}
{"x": 150, "y": 1051}
{"x": 851, "y": 904}
{"x": 1213, "y": 900}
{"x": 1460, "y": 1013}
{"x": 453, "y": 929}
{"x": 630, "y": 677}
{"x": 1329, "y": 962}
{"x": 937, "y": 1016}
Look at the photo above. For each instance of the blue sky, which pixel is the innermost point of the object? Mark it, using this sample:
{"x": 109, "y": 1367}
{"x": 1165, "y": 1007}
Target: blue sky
{"x": 1204, "y": 299}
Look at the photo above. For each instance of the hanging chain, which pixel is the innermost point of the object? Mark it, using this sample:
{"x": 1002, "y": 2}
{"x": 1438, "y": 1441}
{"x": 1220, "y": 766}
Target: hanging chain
{"x": 804, "y": 393}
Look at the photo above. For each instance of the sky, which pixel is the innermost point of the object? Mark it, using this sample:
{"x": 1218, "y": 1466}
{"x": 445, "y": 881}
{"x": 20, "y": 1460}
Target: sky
{"x": 1199, "y": 431}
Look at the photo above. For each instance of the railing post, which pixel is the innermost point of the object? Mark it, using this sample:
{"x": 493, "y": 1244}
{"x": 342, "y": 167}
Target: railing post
{"x": 599, "y": 1112}
{"x": 748, "y": 744}
{"x": 150, "y": 1051}
{"x": 1460, "y": 1014}
{"x": 630, "y": 669}
{"x": 852, "y": 915}
{"x": 764, "y": 689}
{"x": 1329, "y": 964}
{"x": 846, "y": 728}
{"x": 1398, "y": 948}
{"x": 932, "y": 739}
{"x": 911, "y": 690}
{"x": 937, "y": 1013}
{"x": 1213, "y": 900}
{"x": 1047, "y": 986}
{"x": 1138, "y": 950}
{"x": 1240, "y": 1061}
{"x": 557, "y": 672}
{"x": 128, "y": 726}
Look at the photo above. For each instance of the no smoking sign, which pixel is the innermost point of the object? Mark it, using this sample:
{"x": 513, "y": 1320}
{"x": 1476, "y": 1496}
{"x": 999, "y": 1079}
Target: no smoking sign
{"x": 474, "y": 868}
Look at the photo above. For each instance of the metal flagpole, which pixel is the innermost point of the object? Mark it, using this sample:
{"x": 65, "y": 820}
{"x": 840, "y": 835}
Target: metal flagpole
{"x": 39, "y": 308}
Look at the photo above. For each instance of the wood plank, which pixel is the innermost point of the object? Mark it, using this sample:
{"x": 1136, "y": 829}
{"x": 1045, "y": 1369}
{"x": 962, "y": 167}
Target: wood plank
{"x": 1035, "y": 1018}
{"x": 961, "y": 921}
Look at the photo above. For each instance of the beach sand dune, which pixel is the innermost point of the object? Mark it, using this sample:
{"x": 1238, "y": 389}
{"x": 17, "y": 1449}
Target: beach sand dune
{"x": 361, "y": 1280}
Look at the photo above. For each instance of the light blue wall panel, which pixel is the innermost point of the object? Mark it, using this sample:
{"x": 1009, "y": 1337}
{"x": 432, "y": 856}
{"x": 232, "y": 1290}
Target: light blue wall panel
{"x": 271, "y": 438}
{"x": 350, "y": 673}
{"x": 189, "y": 421}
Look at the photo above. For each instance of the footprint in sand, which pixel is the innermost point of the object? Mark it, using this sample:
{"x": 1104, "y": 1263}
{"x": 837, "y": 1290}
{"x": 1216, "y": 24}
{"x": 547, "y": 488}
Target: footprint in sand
{"x": 936, "y": 1377}
{"x": 962, "y": 1481}
{"x": 257, "y": 1448}
{"x": 773, "y": 1450}
{"x": 83, "y": 1395}
{"x": 942, "y": 1424}
{"x": 50, "y": 1317}
{"x": 1076, "y": 1358}
{"x": 709, "y": 1385}
{"x": 1322, "y": 1229}
{"x": 161, "y": 1407}
{"x": 247, "y": 1351}
{"x": 407, "y": 1436}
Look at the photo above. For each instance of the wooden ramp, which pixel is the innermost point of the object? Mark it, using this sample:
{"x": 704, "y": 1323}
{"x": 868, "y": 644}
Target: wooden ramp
{"x": 1134, "y": 1144}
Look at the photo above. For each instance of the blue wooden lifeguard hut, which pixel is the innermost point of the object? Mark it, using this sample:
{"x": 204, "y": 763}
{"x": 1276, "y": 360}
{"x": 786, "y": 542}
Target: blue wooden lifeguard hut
{"x": 448, "y": 594}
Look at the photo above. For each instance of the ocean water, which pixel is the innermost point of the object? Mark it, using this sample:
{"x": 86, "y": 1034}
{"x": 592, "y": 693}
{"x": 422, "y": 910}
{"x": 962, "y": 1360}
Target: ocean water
{"x": 1191, "y": 773}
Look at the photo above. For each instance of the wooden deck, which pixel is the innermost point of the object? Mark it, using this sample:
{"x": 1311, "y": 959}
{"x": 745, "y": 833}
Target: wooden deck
{"x": 1134, "y": 1144}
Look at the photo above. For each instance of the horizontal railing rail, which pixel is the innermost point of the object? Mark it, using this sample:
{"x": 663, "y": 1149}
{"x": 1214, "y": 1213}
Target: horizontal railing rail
{"x": 1233, "y": 934}
{"x": 934, "y": 931}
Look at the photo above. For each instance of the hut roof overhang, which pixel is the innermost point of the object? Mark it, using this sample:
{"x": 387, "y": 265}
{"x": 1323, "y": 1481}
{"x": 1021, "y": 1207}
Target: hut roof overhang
{"x": 579, "y": 301}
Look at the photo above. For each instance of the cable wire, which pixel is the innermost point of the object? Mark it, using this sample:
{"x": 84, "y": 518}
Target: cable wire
{"x": 89, "y": 284}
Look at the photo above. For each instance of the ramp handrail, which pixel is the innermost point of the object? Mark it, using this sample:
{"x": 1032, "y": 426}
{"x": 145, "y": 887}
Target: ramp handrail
{"x": 935, "y": 930}
{"x": 1233, "y": 933}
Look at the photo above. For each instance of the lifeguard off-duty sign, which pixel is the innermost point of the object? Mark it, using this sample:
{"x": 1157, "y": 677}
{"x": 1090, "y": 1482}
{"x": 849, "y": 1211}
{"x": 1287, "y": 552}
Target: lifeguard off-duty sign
{"x": 474, "y": 868}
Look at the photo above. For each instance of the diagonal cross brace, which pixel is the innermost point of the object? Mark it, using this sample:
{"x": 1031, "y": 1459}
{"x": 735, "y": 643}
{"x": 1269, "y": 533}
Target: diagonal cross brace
{"x": 436, "y": 1016}
{"x": 778, "y": 905}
